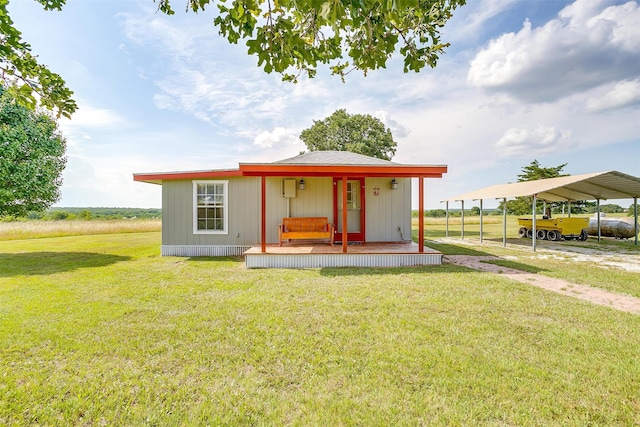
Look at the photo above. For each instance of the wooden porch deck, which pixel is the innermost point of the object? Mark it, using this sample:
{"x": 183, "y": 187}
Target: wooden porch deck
{"x": 318, "y": 255}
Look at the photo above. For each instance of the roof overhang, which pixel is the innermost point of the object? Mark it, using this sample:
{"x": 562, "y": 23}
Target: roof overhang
{"x": 306, "y": 170}
{"x": 352, "y": 171}
{"x": 158, "y": 177}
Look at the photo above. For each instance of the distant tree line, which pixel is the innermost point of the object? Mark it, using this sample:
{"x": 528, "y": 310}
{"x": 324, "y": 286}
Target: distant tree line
{"x": 441, "y": 213}
{"x": 87, "y": 214}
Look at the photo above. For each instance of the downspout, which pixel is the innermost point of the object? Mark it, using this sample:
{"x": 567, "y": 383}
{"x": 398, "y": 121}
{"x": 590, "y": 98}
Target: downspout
{"x": 504, "y": 222}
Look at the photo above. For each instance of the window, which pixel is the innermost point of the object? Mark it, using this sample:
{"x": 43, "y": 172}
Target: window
{"x": 352, "y": 194}
{"x": 210, "y": 214}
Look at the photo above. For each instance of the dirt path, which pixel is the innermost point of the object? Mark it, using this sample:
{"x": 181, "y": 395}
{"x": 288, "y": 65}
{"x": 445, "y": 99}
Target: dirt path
{"x": 587, "y": 293}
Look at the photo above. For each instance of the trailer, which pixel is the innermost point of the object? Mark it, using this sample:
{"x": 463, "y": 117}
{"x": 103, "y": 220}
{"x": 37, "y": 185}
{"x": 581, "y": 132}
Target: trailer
{"x": 555, "y": 228}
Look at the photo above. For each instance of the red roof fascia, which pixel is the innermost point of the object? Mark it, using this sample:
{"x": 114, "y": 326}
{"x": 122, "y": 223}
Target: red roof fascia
{"x": 166, "y": 176}
{"x": 354, "y": 171}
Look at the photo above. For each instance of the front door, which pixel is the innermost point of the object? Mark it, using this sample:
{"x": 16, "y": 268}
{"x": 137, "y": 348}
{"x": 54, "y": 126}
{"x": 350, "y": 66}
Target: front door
{"x": 355, "y": 209}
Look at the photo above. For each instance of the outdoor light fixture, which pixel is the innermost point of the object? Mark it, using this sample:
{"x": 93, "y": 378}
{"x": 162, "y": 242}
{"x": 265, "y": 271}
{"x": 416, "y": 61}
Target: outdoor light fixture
{"x": 301, "y": 185}
{"x": 394, "y": 184}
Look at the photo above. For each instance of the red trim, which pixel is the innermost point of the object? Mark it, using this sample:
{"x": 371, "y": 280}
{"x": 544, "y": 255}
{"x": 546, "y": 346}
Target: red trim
{"x": 166, "y": 176}
{"x": 351, "y": 237}
{"x": 363, "y": 199}
{"x": 420, "y": 214}
{"x": 263, "y": 224}
{"x": 353, "y": 171}
{"x": 344, "y": 214}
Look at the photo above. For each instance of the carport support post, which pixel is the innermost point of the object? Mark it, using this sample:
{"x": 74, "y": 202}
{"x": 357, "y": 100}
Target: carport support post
{"x": 598, "y": 213}
{"x": 635, "y": 215}
{"x": 345, "y": 233}
{"x": 263, "y": 211}
{"x": 534, "y": 230}
{"x": 446, "y": 219}
{"x": 462, "y": 222}
{"x": 504, "y": 222}
{"x": 480, "y": 220}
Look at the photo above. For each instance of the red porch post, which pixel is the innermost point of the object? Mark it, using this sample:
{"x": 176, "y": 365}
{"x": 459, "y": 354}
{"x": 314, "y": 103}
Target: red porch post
{"x": 345, "y": 233}
{"x": 263, "y": 209}
{"x": 420, "y": 214}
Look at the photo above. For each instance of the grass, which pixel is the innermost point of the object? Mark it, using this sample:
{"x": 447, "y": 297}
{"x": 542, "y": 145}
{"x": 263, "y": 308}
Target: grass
{"x": 492, "y": 228}
{"x": 553, "y": 264}
{"x": 41, "y": 229}
{"x": 100, "y": 330}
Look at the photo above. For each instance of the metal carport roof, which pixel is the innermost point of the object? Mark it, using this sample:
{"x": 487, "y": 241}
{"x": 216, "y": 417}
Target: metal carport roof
{"x": 590, "y": 186}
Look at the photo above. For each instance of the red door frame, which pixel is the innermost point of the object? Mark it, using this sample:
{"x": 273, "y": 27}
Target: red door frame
{"x": 351, "y": 237}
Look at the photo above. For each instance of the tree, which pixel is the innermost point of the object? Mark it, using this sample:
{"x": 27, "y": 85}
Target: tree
{"x": 24, "y": 78}
{"x": 288, "y": 37}
{"x": 300, "y": 34}
{"x": 341, "y": 131}
{"x": 611, "y": 208}
{"x": 32, "y": 158}
{"x": 532, "y": 172}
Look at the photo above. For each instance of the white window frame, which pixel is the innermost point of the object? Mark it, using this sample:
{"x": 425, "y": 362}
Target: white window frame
{"x": 225, "y": 207}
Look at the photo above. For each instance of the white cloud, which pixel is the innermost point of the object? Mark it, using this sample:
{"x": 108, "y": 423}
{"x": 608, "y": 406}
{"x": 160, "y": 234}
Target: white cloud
{"x": 532, "y": 142}
{"x": 586, "y": 46}
{"x": 278, "y": 137}
{"x": 86, "y": 122}
{"x": 623, "y": 94}
{"x": 90, "y": 117}
{"x": 205, "y": 77}
{"x": 397, "y": 129}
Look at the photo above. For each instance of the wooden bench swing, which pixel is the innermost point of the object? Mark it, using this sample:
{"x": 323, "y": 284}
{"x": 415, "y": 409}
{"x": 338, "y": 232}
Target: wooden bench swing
{"x": 309, "y": 228}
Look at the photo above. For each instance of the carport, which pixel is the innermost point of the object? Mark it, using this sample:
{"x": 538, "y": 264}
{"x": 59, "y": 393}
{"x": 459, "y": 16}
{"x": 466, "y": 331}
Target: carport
{"x": 591, "y": 186}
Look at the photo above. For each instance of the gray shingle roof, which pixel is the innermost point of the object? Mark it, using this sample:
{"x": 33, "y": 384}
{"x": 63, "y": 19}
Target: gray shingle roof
{"x": 334, "y": 158}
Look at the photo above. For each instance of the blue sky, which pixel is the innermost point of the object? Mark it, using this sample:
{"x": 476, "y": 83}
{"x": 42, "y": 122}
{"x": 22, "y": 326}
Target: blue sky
{"x": 552, "y": 80}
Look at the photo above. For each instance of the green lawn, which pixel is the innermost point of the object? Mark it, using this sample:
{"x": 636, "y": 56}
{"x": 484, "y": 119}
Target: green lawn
{"x": 558, "y": 265}
{"x": 100, "y": 330}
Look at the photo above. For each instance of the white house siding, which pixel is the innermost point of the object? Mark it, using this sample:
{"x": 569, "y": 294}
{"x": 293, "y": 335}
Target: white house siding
{"x": 315, "y": 200}
{"x": 388, "y": 210}
{"x": 384, "y": 213}
{"x": 243, "y": 211}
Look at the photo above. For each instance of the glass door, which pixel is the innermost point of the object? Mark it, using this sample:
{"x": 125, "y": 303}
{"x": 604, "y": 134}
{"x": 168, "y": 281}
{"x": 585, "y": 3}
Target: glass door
{"x": 355, "y": 209}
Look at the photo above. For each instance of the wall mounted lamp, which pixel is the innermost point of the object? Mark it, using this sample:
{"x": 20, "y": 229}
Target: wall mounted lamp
{"x": 394, "y": 184}
{"x": 301, "y": 185}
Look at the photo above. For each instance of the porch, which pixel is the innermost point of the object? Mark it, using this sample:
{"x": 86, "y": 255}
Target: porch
{"x": 318, "y": 255}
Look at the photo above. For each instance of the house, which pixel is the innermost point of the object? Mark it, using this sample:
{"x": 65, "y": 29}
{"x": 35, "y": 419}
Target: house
{"x": 229, "y": 212}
